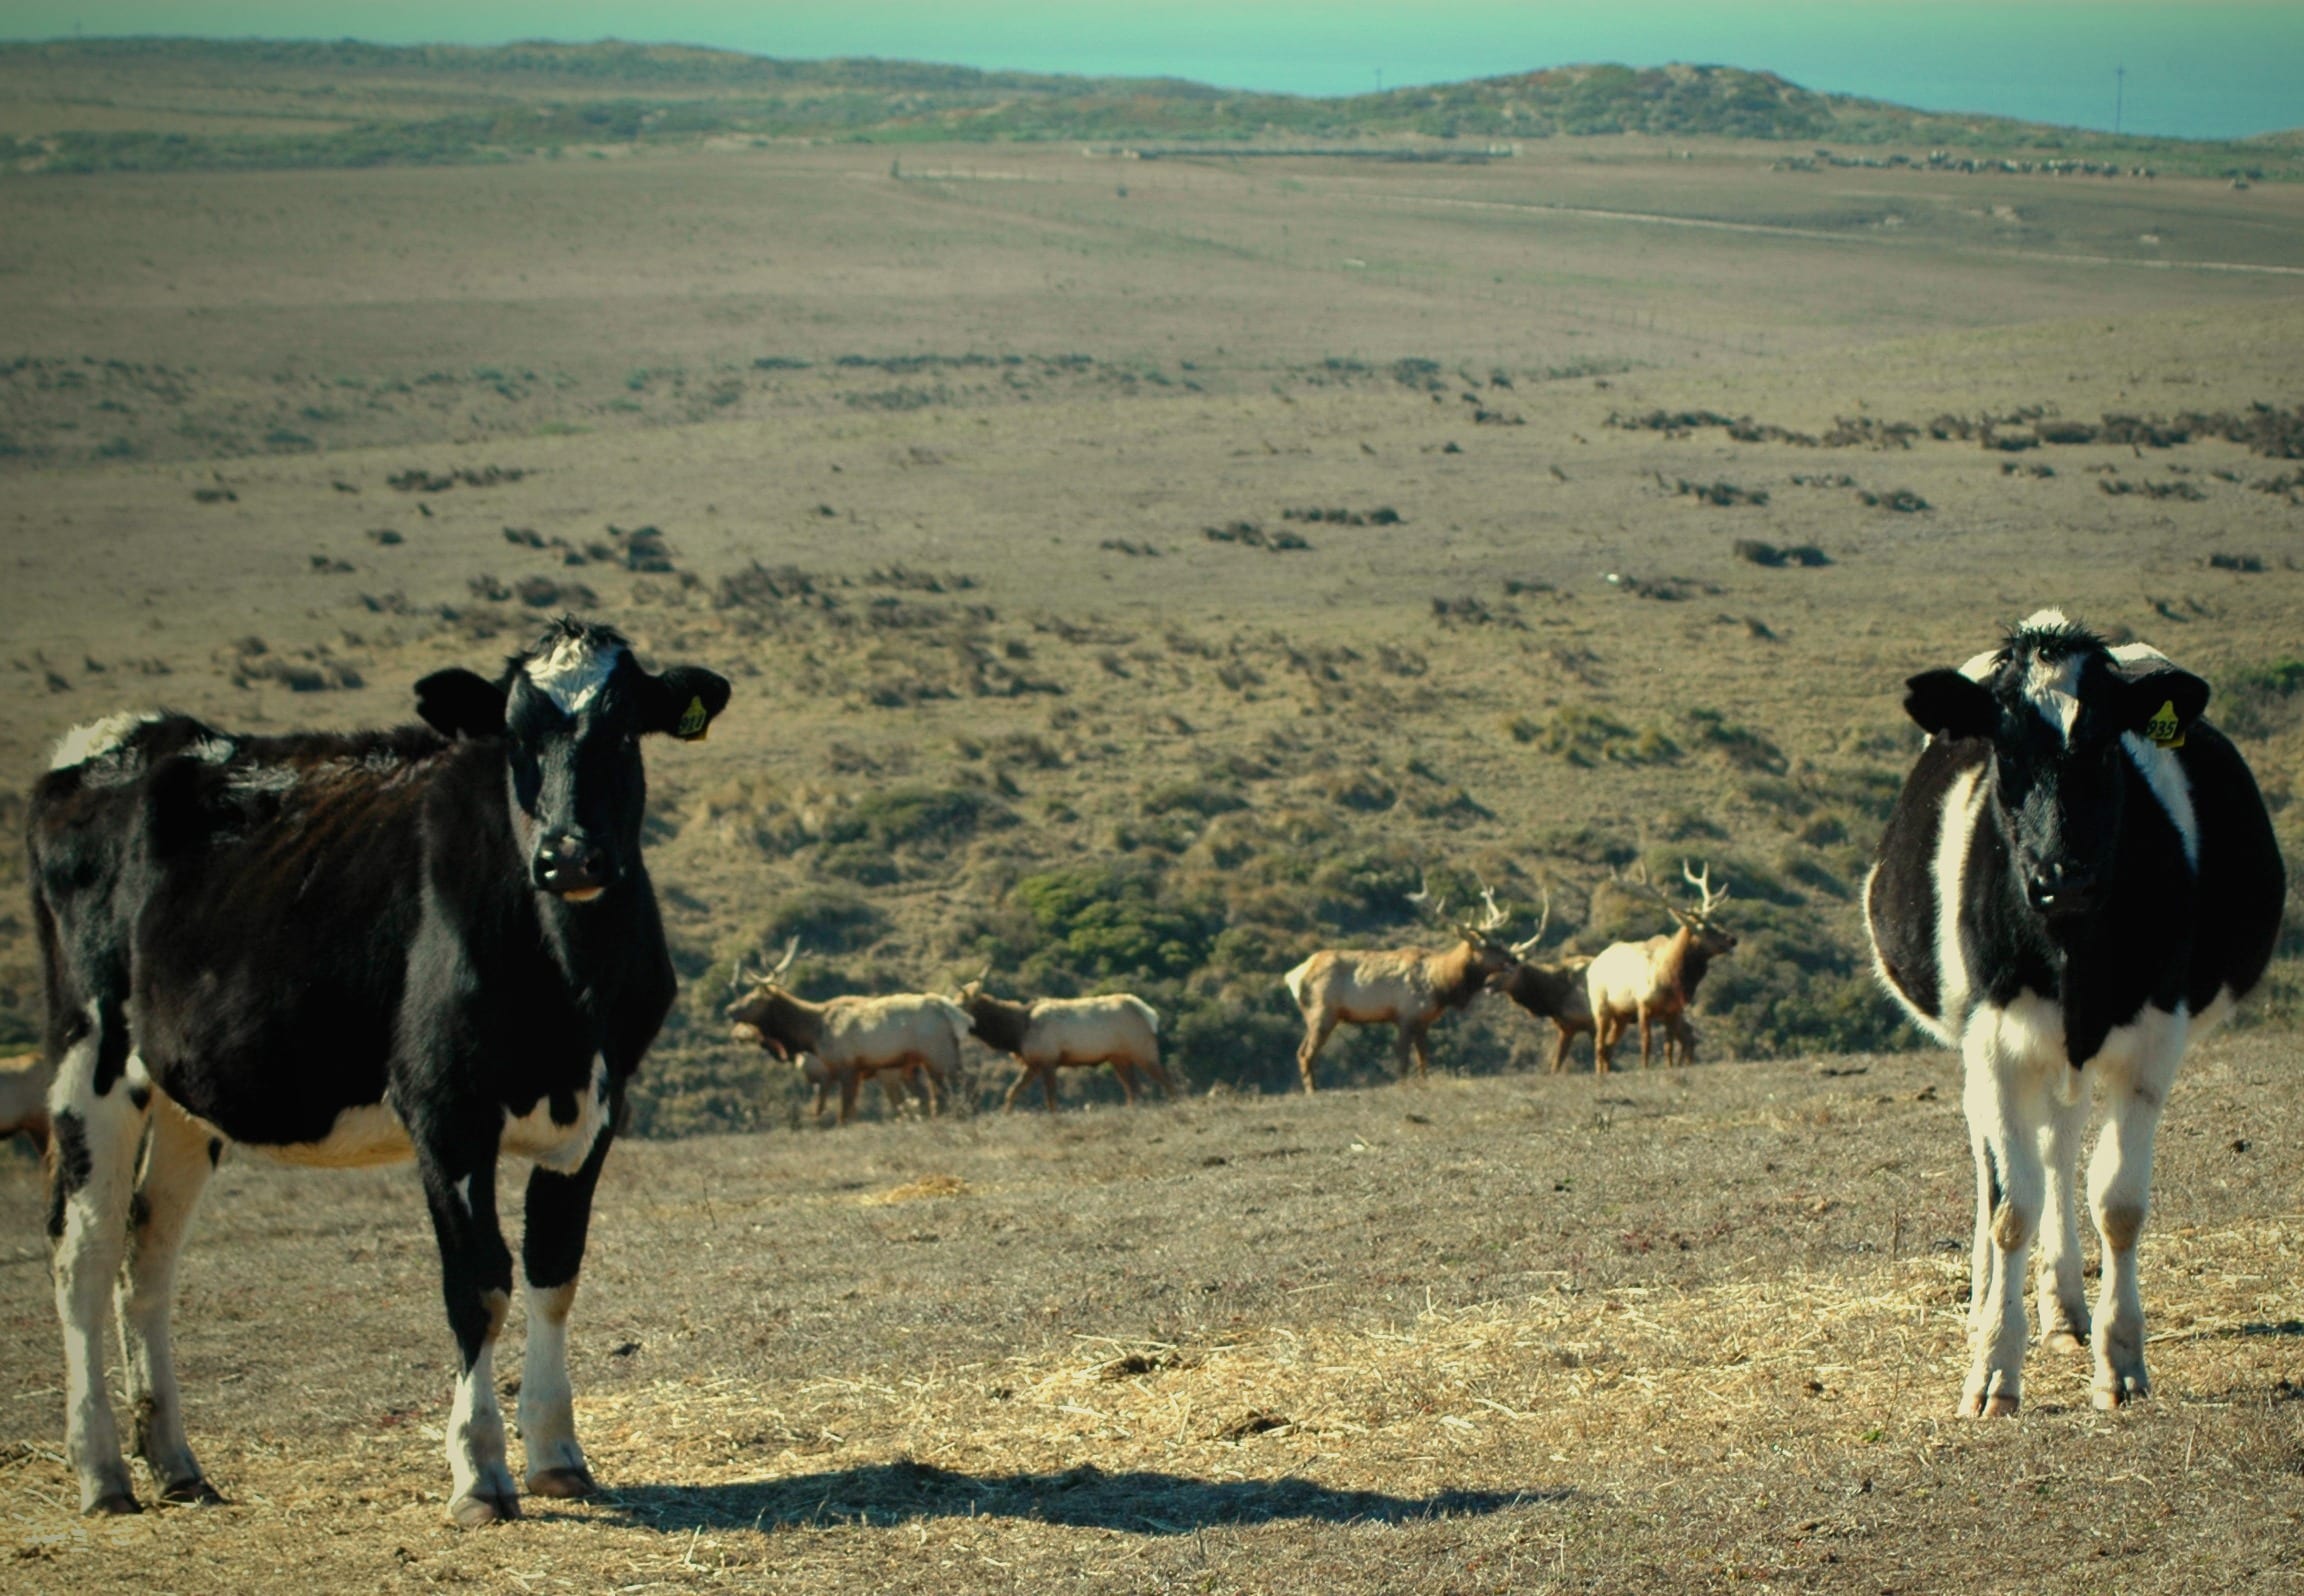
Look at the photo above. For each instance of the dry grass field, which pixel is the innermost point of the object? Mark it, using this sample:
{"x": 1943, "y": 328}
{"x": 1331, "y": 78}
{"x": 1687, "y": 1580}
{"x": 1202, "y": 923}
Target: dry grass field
{"x": 1697, "y": 1331}
{"x": 1137, "y": 573}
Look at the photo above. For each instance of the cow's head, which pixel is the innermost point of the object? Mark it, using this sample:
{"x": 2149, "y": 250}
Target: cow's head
{"x": 2062, "y": 713}
{"x": 571, "y": 712}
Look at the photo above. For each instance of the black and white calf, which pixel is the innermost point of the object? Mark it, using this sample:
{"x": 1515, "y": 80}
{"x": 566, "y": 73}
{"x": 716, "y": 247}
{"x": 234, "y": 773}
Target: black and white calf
{"x": 2078, "y": 876}
{"x": 344, "y": 949}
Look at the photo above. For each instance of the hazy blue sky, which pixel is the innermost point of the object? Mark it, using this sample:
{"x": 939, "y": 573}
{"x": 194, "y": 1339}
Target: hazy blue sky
{"x": 2206, "y": 68}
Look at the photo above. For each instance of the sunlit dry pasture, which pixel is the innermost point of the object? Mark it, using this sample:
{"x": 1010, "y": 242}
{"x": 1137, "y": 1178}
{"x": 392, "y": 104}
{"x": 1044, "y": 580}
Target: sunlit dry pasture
{"x": 1229, "y": 543}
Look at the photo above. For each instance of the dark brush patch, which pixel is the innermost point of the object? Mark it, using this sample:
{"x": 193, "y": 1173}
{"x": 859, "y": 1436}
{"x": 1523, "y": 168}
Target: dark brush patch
{"x": 69, "y": 1144}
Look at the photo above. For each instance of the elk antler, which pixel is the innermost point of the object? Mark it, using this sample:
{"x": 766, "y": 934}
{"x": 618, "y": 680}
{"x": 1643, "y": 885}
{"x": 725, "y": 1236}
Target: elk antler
{"x": 791, "y": 952}
{"x": 736, "y": 978}
{"x": 1477, "y": 932}
{"x": 1642, "y": 884}
{"x": 1495, "y": 917}
{"x": 1422, "y": 897}
{"x": 1703, "y": 885}
{"x": 1521, "y": 950}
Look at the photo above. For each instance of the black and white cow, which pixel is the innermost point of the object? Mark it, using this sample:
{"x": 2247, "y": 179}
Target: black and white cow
{"x": 2078, "y": 876}
{"x": 341, "y": 949}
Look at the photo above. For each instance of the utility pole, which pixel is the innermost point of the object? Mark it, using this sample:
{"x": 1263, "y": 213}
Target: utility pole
{"x": 2119, "y": 84}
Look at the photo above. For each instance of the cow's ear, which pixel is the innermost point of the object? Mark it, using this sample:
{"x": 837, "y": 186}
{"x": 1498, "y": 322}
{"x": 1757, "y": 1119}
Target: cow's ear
{"x": 2162, "y": 705}
{"x": 1948, "y": 704}
{"x": 682, "y": 700}
{"x": 460, "y": 703}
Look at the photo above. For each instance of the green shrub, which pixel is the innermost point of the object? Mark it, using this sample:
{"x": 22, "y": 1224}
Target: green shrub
{"x": 1359, "y": 890}
{"x": 923, "y": 817}
{"x": 828, "y": 921}
{"x": 865, "y": 863}
{"x": 2260, "y": 700}
{"x": 1205, "y": 799}
{"x": 1099, "y": 921}
{"x": 1741, "y": 746}
{"x": 1585, "y": 737}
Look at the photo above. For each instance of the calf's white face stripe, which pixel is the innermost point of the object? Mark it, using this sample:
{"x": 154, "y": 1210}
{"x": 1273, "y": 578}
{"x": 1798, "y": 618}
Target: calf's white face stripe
{"x": 2053, "y": 687}
{"x": 96, "y": 738}
{"x": 574, "y": 673}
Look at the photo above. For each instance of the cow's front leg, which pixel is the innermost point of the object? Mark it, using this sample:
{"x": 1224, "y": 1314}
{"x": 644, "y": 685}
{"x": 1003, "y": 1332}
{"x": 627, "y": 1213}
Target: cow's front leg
{"x": 559, "y": 1215}
{"x": 476, "y": 1282}
{"x": 177, "y": 1162}
{"x": 2119, "y": 1191}
{"x": 2005, "y": 1115}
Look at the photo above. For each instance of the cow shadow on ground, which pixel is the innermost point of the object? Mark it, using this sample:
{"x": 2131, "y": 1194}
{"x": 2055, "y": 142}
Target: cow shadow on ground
{"x": 880, "y": 1495}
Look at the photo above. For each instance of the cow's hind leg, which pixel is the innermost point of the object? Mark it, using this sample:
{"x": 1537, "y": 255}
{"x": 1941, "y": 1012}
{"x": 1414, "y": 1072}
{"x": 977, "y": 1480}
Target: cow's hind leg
{"x": 559, "y": 1215}
{"x": 177, "y": 1161}
{"x": 2061, "y": 1297}
{"x": 2119, "y": 1191}
{"x": 476, "y": 1283}
{"x": 97, "y": 1117}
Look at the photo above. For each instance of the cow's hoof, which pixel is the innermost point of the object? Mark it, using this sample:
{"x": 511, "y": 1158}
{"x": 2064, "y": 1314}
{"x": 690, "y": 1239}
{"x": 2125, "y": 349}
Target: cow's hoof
{"x": 470, "y": 1512}
{"x": 2119, "y": 1393}
{"x": 566, "y": 1484}
{"x": 194, "y": 1492}
{"x": 112, "y": 1504}
{"x": 2065, "y": 1342}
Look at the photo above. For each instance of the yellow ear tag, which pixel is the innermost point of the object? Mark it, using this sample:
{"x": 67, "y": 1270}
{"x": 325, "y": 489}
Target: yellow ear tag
{"x": 695, "y": 722}
{"x": 2162, "y": 728}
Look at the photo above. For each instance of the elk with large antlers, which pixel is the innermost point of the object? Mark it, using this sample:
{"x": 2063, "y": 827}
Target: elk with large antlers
{"x": 1406, "y": 987}
{"x": 1655, "y": 981}
{"x": 1552, "y": 992}
{"x": 915, "y": 1035}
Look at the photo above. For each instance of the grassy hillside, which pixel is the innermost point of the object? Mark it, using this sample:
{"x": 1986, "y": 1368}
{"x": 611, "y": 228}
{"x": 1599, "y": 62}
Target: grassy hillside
{"x": 1140, "y": 575}
{"x": 123, "y": 105}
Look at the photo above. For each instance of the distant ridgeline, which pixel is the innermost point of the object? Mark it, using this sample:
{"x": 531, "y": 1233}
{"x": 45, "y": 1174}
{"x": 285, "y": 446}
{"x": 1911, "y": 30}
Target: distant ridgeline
{"x": 379, "y": 105}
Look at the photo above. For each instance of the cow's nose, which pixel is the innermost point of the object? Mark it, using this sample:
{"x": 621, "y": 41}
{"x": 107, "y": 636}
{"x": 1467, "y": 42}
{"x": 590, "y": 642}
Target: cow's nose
{"x": 2057, "y": 888}
{"x": 567, "y": 863}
